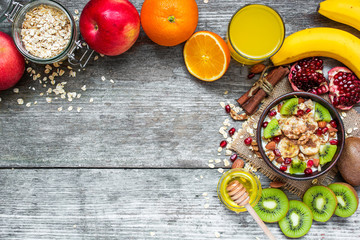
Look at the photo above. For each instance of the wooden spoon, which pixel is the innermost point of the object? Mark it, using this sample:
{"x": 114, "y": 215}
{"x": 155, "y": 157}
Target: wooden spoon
{"x": 239, "y": 195}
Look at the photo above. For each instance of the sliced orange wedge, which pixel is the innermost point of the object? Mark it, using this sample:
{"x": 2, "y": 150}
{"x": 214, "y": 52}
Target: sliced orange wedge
{"x": 206, "y": 56}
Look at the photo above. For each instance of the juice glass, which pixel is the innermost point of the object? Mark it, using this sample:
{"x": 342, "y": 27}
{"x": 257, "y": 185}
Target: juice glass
{"x": 246, "y": 178}
{"x": 255, "y": 33}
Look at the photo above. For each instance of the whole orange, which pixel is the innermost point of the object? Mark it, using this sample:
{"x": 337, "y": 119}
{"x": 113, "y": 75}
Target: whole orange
{"x": 169, "y": 22}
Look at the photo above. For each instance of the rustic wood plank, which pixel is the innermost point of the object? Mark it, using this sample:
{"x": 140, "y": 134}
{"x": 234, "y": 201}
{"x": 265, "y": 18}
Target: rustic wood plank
{"x": 130, "y": 204}
{"x": 154, "y": 115}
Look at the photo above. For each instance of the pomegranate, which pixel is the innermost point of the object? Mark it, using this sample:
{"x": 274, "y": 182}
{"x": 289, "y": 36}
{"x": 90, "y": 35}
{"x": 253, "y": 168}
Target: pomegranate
{"x": 223, "y": 143}
{"x": 344, "y": 88}
{"x": 306, "y": 76}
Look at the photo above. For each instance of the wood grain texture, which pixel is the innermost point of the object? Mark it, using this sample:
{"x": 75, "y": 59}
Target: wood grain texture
{"x": 130, "y": 204}
{"x": 154, "y": 115}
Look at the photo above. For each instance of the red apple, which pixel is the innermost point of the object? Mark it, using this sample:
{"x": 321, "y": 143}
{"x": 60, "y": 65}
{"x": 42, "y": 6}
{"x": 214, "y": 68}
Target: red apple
{"x": 12, "y": 63}
{"x": 110, "y": 27}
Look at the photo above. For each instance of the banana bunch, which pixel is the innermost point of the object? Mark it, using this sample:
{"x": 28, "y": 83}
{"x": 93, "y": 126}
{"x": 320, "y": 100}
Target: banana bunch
{"x": 344, "y": 11}
{"x": 326, "y": 42}
{"x": 321, "y": 41}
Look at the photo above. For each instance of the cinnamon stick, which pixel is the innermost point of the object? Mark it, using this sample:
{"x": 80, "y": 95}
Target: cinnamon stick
{"x": 250, "y": 104}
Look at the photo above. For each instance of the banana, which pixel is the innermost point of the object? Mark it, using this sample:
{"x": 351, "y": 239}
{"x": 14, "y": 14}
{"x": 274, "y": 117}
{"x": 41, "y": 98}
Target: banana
{"x": 322, "y": 41}
{"x": 344, "y": 11}
{"x": 288, "y": 148}
{"x": 312, "y": 146}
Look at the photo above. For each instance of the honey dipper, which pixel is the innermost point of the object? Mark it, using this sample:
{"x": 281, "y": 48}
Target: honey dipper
{"x": 239, "y": 195}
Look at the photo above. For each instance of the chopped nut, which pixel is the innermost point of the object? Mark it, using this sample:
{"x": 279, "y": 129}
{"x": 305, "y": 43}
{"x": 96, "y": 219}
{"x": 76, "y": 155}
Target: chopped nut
{"x": 316, "y": 162}
{"x": 279, "y": 160}
{"x": 257, "y": 68}
{"x": 238, "y": 117}
{"x": 276, "y": 184}
{"x": 322, "y": 124}
{"x": 271, "y": 145}
{"x": 239, "y": 163}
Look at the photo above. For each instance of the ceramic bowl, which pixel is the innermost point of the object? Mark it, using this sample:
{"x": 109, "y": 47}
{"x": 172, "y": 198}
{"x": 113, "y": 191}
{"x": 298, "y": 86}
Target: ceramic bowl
{"x": 334, "y": 114}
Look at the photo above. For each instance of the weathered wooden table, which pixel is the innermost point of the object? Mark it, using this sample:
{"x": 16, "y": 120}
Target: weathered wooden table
{"x": 133, "y": 163}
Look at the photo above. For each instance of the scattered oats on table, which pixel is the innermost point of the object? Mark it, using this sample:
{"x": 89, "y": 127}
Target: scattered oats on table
{"x": 16, "y": 90}
{"x": 206, "y": 205}
{"x": 91, "y": 100}
{"x": 211, "y": 165}
{"x": 20, "y": 101}
{"x": 217, "y": 234}
{"x": 205, "y": 194}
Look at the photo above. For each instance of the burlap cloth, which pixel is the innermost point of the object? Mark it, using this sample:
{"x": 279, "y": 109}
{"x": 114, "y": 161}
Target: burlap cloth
{"x": 351, "y": 120}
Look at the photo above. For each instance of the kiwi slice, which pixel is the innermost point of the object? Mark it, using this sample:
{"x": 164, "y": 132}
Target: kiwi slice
{"x": 272, "y": 206}
{"x": 297, "y": 166}
{"x": 327, "y": 153}
{"x": 322, "y": 202}
{"x": 321, "y": 113}
{"x": 347, "y": 199}
{"x": 272, "y": 129}
{"x": 297, "y": 221}
{"x": 289, "y": 107}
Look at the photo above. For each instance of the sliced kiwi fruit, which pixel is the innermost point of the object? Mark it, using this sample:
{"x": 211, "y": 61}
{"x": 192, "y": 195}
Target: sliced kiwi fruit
{"x": 272, "y": 129}
{"x": 297, "y": 166}
{"x": 297, "y": 221}
{"x": 327, "y": 153}
{"x": 322, "y": 202}
{"x": 347, "y": 199}
{"x": 321, "y": 113}
{"x": 272, "y": 206}
{"x": 289, "y": 107}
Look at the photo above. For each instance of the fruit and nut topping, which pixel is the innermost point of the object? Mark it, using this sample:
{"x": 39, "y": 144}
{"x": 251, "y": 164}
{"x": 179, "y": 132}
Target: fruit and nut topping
{"x": 298, "y": 141}
{"x": 46, "y": 31}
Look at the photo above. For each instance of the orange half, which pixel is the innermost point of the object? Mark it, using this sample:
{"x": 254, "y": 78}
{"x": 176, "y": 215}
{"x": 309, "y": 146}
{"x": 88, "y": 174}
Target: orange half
{"x": 206, "y": 55}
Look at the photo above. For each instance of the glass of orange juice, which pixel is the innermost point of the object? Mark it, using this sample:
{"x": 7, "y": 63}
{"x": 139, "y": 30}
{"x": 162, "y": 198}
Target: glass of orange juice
{"x": 255, "y": 33}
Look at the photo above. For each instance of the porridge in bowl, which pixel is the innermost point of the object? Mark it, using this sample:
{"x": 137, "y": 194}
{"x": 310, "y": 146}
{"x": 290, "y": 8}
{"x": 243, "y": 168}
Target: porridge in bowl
{"x": 299, "y": 136}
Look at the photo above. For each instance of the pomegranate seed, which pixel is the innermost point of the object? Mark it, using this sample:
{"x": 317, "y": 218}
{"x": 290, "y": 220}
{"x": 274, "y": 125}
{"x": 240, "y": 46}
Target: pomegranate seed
{"x": 310, "y": 163}
{"x": 232, "y": 131}
{"x": 324, "y": 130}
{"x": 233, "y": 157}
{"x": 223, "y": 143}
{"x": 227, "y": 108}
{"x": 334, "y": 142}
{"x": 287, "y": 161}
{"x": 300, "y": 113}
{"x": 277, "y": 152}
{"x": 276, "y": 139}
{"x": 308, "y": 110}
{"x": 308, "y": 171}
{"x": 264, "y": 125}
{"x": 319, "y": 91}
{"x": 248, "y": 141}
{"x": 333, "y": 124}
{"x": 251, "y": 75}
{"x": 283, "y": 168}
{"x": 319, "y": 132}
{"x": 272, "y": 113}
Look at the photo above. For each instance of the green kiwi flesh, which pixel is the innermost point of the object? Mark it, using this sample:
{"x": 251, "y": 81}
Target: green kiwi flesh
{"x": 321, "y": 113}
{"x": 272, "y": 129}
{"x": 272, "y": 206}
{"x": 297, "y": 166}
{"x": 289, "y": 107}
{"x": 326, "y": 153}
{"x": 297, "y": 221}
{"x": 322, "y": 202}
{"x": 347, "y": 199}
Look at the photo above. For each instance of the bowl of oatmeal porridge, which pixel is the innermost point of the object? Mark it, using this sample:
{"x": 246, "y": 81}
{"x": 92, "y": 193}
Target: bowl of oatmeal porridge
{"x": 300, "y": 135}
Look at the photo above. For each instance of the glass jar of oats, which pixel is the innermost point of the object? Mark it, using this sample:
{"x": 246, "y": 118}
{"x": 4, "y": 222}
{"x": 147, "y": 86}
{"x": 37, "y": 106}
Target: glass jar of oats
{"x": 44, "y": 31}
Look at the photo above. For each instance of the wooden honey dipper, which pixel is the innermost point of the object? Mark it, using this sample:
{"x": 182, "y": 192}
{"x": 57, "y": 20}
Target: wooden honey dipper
{"x": 239, "y": 195}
